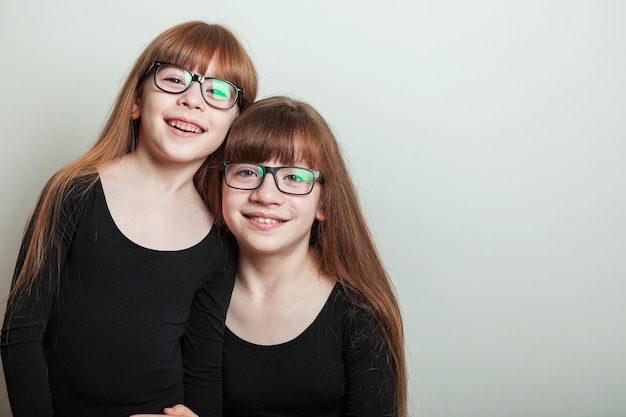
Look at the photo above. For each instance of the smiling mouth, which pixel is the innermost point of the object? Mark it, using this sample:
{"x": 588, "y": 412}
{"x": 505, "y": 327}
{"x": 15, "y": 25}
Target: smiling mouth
{"x": 265, "y": 220}
{"x": 185, "y": 127}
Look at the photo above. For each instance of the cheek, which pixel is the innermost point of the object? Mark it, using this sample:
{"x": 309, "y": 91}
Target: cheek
{"x": 151, "y": 105}
{"x": 224, "y": 120}
{"x": 308, "y": 212}
{"x": 229, "y": 204}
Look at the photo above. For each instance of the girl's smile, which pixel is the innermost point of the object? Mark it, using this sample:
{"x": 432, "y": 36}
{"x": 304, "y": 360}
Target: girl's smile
{"x": 185, "y": 126}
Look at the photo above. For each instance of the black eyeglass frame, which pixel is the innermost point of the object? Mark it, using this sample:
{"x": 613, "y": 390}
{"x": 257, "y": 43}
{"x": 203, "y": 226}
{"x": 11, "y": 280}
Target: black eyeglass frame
{"x": 195, "y": 77}
{"x": 317, "y": 176}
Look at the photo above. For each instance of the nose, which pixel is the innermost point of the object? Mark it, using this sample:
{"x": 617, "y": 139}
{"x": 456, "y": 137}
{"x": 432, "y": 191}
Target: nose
{"x": 268, "y": 192}
{"x": 192, "y": 97}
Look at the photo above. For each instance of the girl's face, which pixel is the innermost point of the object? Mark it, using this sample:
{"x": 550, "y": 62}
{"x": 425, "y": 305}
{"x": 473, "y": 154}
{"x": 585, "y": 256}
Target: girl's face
{"x": 180, "y": 128}
{"x": 266, "y": 221}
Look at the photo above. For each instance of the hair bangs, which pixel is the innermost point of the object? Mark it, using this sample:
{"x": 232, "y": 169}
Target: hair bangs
{"x": 193, "y": 49}
{"x": 285, "y": 142}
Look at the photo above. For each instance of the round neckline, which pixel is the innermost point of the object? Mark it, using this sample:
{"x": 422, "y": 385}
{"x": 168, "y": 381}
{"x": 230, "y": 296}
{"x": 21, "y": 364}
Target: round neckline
{"x": 111, "y": 221}
{"x": 298, "y": 338}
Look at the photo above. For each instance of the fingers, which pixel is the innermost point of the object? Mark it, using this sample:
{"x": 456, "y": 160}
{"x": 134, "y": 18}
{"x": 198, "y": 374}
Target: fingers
{"x": 178, "y": 410}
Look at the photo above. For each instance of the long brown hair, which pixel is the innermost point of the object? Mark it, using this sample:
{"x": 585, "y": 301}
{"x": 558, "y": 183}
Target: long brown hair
{"x": 291, "y": 131}
{"x": 191, "y": 44}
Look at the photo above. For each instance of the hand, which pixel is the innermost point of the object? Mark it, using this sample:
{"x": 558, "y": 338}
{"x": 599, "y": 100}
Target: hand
{"x": 178, "y": 410}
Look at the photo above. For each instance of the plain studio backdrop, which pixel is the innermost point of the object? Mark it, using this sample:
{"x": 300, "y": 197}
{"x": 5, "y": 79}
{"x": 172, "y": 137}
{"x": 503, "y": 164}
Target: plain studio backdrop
{"x": 487, "y": 140}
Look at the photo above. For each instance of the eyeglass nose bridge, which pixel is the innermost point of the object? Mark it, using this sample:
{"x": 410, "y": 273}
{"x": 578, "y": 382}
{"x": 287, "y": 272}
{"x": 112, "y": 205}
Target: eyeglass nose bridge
{"x": 195, "y": 77}
{"x": 269, "y": 170}
{"x": 200, "y": 79}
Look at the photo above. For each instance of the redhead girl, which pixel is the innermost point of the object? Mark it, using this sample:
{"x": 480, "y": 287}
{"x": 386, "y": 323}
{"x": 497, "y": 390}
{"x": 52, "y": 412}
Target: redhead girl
{"x": 122, "y": 282}
{"x": 313, "y": 327}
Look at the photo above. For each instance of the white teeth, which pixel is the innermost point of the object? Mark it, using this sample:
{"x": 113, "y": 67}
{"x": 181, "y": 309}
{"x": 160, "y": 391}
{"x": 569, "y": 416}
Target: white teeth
{"x": 264, "y": 220}
{"x": 184, "y": 126}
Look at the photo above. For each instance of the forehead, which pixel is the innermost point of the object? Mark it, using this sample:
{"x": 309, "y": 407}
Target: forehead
{"x": 201, "y": 64}
{"x": 208, "y": 70}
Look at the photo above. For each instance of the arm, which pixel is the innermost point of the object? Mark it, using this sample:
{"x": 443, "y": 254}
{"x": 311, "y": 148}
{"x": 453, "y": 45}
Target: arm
{"x": 24, "y": 327}
{"x": 370, "y": 380}
{"x": 24, "y": 357}
{"x": 204, "y": 338}
{"x": 22, "y": 347}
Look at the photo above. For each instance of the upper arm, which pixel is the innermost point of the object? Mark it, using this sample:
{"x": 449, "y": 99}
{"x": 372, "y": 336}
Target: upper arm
{"x": 370, "y": 379}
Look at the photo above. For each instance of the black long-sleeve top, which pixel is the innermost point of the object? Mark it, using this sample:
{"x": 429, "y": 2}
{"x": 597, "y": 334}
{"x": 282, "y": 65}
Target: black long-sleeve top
{"x": 338, "y": 367}
{"x": 118, "y": 325}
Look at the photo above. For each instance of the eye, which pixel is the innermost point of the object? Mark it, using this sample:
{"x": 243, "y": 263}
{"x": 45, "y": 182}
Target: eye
{"x": 173, "y": 78}
{"x": 173, "y": 82}
{"x": 246, "y": 172}
{"x": 219, "y": 90}
{"x": 298, "y": 175}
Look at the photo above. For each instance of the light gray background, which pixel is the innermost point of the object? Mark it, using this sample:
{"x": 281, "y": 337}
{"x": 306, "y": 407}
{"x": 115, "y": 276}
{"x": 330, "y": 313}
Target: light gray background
{"x": 487, "y": 140}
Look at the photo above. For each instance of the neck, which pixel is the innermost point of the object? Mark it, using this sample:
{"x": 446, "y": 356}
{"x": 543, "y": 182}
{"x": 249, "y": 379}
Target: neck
{"x": 164, "y": 178}
{"x": 263, "y": 275}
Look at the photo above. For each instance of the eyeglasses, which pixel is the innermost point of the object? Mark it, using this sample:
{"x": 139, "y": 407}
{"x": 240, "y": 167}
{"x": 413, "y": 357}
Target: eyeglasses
{"x": 217, "y": 93}
{"x": 288, "y": 179}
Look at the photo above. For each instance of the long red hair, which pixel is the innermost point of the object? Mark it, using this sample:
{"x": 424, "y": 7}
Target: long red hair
{"x": 191, "y": 44}
{"x": 292, "y": 132}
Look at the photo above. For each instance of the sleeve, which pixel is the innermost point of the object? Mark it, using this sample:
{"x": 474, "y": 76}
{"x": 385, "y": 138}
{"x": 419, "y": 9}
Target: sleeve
{"x": 370, "y": 380}
{"x": 24, "y": 327}
{"x": 204, "y": 339}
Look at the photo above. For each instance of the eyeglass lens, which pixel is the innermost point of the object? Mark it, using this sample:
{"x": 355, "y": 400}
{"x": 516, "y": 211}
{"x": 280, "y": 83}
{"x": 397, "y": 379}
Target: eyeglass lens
{"x": 174, "y": 79}
{"x": 291, "y": 180}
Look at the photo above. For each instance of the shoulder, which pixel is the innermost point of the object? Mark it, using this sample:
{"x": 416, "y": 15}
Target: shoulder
{"x": 356, "y": 315}
{"x": 64, "y": 200}
{"x": 78, "y": 192}
{"x": 220, "y": 245}
{"x": 74, "y": 190}
{"x": 352, "y": 303}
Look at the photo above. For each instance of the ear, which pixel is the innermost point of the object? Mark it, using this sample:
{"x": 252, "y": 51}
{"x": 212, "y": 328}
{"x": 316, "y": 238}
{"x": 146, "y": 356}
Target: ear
{"x": 136, "y": 111}
{"x": 320, "y": 215}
